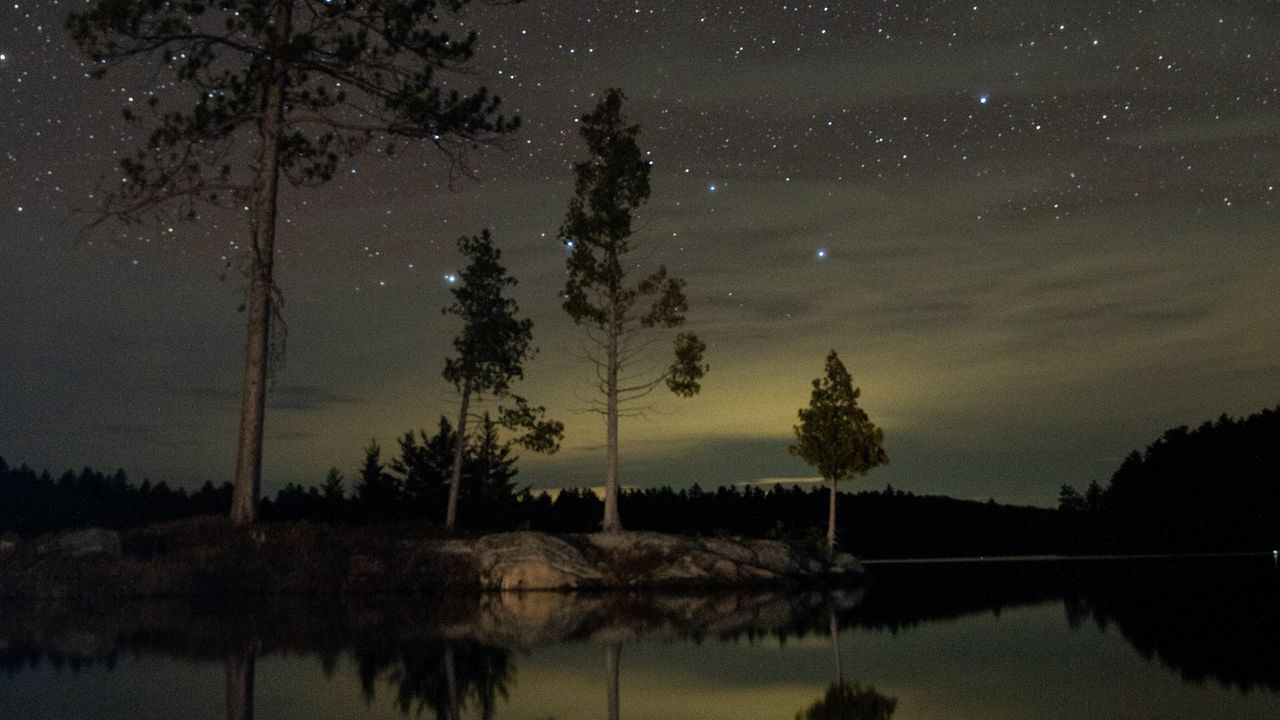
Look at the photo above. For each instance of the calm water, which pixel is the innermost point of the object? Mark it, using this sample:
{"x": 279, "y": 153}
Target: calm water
{"x": 1100, "y": 639}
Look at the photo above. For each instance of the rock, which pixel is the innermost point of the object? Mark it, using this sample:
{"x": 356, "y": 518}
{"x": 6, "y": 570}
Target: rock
{"x": 532, "y": 561}
{"x": 90, "y": 542}
{"x": 535, "y": 561}
{"x": 646, "y": 559}
{"x": 845, "y": 564}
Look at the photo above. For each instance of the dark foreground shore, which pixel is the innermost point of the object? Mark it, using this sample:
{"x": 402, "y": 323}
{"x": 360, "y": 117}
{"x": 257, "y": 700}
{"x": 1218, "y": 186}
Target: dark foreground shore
{"x": 210, "y": 557}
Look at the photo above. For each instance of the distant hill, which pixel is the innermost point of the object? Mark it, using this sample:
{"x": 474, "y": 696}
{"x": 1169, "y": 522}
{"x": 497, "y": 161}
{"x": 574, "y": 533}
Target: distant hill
{"x": 1214, "y": 488}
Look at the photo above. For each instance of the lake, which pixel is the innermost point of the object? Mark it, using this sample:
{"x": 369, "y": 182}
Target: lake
{"x": 1169, "y": 638}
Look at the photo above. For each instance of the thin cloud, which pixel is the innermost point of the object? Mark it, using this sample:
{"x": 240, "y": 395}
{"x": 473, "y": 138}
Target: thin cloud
{"x": 782, "y": 481}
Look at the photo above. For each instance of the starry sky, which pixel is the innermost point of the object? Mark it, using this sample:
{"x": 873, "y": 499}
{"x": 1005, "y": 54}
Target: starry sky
{"x": 1037, "y": 233}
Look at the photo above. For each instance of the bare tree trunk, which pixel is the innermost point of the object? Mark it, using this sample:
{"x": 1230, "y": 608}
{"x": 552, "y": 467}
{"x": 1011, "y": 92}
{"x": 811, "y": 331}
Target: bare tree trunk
{"x": 831, "y": 522}
{"x": 455, "y": 477}
{"x": 612, "y": 520}
{"x": 258, "y": 305}
{"x": 239, "y": 671}
{"x": 612, "y": 665}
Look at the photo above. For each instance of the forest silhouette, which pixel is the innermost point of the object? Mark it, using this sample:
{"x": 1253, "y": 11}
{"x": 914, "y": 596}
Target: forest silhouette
{"x": 1209, "y": 489}
{"x": 1214, "y": 488}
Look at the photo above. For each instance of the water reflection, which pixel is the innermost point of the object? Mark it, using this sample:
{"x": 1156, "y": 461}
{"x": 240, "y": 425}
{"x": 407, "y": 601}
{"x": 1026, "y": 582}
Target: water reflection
{"x": 844, "y": 700}
{"x": 613, "y": 670}
{"x": 240, "y": 676}
{"x": 850, "y": 701}
{"x": 1204, "y": 620}
{"x": 440, "y": 679}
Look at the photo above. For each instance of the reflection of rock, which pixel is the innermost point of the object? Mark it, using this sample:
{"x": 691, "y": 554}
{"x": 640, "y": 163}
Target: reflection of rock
{"x": 535, "y": 561}
{"x": 382, "y": 630}
{"x": 526, "y": 619}
{"x": 82, "y": 543}
{"x": 514, "y": 619}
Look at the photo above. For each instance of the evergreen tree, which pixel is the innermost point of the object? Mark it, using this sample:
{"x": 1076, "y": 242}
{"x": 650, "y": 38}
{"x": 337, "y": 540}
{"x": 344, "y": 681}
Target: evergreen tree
{"x": 333, "y": 493}
{"x": 836, "y": 436}
{"x": 279, "y": 89}
{"x": 490, "y": 477}
{"x": 1069, "y": 500}
{"x": 378, "y": 492}
{"x": 423, "y": 467}
{"x": 333, "y": 488}
{"x": 491, "y": 351}
{"x": 600, "y": 293}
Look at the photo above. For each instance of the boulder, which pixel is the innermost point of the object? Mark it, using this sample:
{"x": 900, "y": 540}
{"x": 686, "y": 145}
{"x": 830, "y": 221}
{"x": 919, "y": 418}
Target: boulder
{"x": 535, "y": 561}
{"x": 644, "y": 559}
{"x": 532, "y": 561}
{"x": 90, "y": 542}
{"x": 845, "y": 565}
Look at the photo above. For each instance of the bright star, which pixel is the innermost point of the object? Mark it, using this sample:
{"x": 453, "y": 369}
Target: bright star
{"x": 822, "y": 253}
{"x": 711, "y": 187}
{"x": 982, "y": 99}
{"x": 450, "y": 278}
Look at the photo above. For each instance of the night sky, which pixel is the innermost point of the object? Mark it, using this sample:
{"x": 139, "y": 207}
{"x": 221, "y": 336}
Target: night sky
{"x": 1038, "y": 234}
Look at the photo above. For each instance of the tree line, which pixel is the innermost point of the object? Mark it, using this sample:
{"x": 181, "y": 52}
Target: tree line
{"x": 1212, "y": 488}
{"x": 407, "y": 485}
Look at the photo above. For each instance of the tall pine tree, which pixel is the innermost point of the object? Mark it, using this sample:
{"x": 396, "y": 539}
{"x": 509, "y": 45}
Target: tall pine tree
{"x": 278, "y": 89}
{"x": 602, "y": 295}
{"x": 490, "y": 355}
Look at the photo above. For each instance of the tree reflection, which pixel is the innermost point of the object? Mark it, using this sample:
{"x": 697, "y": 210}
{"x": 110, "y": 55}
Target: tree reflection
{"x": 240, "y": 674}
{"x": 612, "y": 664}
{"x": 438, "y": 678}
{"x": 850, "y": 701}
{"x": 844, "y": 700}
{"x": 1212, "y": 619}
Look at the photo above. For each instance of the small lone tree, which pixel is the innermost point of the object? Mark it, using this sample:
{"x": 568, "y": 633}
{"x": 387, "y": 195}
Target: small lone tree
{"x": 491, "y": 351}
{"x": 836, "y": 436}
{"x": 278, "y": 89}
{"x": 609, "y": 186}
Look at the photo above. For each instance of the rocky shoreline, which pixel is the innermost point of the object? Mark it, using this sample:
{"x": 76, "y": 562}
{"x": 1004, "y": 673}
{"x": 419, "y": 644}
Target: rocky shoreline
{"x": 210, "y": 557}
